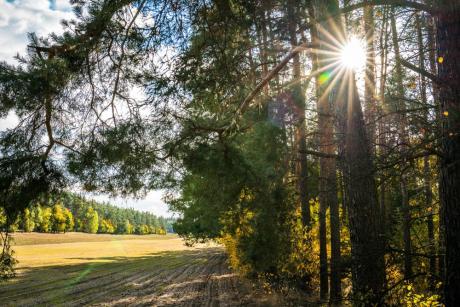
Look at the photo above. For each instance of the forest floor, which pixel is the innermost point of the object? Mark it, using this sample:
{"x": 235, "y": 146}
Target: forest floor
{"x": 102, "y": 270}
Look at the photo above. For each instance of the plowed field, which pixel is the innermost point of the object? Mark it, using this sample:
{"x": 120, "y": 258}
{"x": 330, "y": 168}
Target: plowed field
{"x": 117, "y": 271}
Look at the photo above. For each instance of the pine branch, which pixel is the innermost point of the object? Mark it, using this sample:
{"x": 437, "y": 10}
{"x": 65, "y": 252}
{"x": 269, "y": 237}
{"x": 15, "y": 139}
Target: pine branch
{"x": 404, "y": 3}
{"x": 423, "y": 72}
{"x": 319, "y": 154}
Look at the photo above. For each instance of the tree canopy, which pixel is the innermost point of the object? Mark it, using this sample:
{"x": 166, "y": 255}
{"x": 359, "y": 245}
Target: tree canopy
{"x": 311, "y": 171}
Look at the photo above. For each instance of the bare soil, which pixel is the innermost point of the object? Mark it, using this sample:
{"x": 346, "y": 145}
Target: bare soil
{"x": 162, "y": 273}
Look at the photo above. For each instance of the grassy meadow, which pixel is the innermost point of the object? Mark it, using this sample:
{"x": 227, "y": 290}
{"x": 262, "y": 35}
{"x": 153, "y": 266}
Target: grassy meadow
{"x": 35, "y": 238}
{"x": 37, "y": 249}
{"x": 80, "y": 269}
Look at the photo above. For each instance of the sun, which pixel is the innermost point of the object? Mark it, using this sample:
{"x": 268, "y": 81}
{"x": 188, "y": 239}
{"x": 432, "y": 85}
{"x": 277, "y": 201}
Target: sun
{"x": 353, "y": 54}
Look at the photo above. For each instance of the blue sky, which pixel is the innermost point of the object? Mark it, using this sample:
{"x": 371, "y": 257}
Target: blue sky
{"x": 19, "y": 17}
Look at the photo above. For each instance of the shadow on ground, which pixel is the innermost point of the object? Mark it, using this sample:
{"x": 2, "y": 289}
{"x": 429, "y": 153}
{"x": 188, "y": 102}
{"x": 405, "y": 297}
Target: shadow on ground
{"x": 174, "y": 278}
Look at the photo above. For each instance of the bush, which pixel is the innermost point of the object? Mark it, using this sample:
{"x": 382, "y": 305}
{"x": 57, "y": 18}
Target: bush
{"x": 7, "y": 261}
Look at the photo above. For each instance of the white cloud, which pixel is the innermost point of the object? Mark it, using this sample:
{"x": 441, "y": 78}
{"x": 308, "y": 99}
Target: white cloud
{"x": 9, "y": 122}
{"x": 20, "y": 17}
{"x": 62, "y": 5}
{"x": 151, "y": 203}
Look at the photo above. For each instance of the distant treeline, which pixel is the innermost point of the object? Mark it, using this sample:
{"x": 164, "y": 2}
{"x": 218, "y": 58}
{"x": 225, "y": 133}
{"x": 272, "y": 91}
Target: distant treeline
{"x": 71, "y": 212}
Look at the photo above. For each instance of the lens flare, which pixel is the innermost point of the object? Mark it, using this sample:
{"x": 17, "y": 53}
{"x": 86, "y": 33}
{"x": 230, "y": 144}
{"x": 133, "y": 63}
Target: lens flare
{"x": 353, "y": 54}
{"x": 324, "y": 77}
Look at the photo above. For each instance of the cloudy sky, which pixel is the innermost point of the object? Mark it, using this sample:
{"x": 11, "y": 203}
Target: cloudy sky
{"x": 19, "y": 17}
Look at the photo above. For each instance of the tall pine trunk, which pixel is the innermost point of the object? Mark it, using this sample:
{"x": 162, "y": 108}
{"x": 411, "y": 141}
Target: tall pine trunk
{"x": 433, "y": 70}
{"x": 403, "y": 139}
{"x": 448, "y": 47}
{"x": 327, "y": 187}
{"x": 368, "y": 267}
{"x": 321, "y": 102}
{"x": 300, "y": 135}
{"x": 369, "y": 80}
{"x": 426, "y": 160}
{"x": 383, "y": 125}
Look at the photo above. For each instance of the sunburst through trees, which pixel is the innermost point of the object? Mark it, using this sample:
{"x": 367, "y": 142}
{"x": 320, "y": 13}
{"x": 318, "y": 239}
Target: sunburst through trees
{"x": 318, "y": 141}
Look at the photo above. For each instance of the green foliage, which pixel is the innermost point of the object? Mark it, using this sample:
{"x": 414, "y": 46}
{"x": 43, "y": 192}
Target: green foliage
{"x": 58, "y": 218}
{"x": 69, "y": 222}
{"x": 112, "y": 215}
{"x": 7, "y": 260}
{"x": 413, "y": 294}
{"x": 123, "y": 148}
{"x": 235, "y": 182}
{"x": 73, "y": 213}
{"x": 250, "y": 208}
{"x": 37, "y": 209}
{"x": 28, "y": 220}
{"x": 125, "y": 228}
{"x": 235, "y": 186}
{"x": 142, "y": 229}
{"x": 44, "y": 219}
{"x": 13, "y": 224}
{"x": 106, "y": 226}
{"x": 90, "y": 220}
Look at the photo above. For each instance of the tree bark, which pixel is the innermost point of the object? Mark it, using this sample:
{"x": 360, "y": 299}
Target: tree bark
{"x": 448, "y": 47}
{"x": 426, "y": 160}
{"x": 368, "y": 269}
{"x": 369, "y": 80}
{"x": 264, "y": 47}
{"x": 433, "y": 70}
{"x": 300, "y": 135}
{"x": 327, "y": 187}
{"x": 368, "y": 265}
{"x": 383, "y": 125}
{"x": 404, "y": 141}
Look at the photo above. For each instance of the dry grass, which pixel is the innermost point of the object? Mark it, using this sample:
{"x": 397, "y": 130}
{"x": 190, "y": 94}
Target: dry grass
{"x": 75, "y": 248}
{"x": 123, "y": 270}
{"x": 34, "y": 238}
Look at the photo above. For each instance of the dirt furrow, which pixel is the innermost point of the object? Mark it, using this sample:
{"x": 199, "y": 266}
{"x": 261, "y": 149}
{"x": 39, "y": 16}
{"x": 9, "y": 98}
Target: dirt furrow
{"x": 187, "y": 278}
{"x": 149, "y": 290}
{"x": 186, "y": 290}
{"x": 122, "y": 284}
{"x": 155, "y": 281}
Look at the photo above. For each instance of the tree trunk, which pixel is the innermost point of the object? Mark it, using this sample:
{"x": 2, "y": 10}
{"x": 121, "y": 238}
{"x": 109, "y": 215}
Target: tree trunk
{"x": 327, "y": 188}
{"x": 323, "y": 270}
{"x": 368, "y": 266}
{"x": 433, "y": 70}
{"x": 331, "y": 184}
{"x": 300, "y": 135}
{"x": 369, "y": 80}
{"x": 368, "y": 269}
{"x": 448, "y": 47}
{"x": 404, "y": 141}
{"x": 263, "y": 48}
{"x": 426, "y": 160}
{"x": 383, "y": 126}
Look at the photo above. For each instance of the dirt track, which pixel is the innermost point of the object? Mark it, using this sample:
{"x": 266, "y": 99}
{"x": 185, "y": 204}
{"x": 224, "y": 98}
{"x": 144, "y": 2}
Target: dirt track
{"x": 190, "y": 277}
{"x": 204, "y": 281}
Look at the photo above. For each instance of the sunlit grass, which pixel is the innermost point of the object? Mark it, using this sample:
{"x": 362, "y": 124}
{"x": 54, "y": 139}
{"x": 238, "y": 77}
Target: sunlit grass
{"x": 77, "y": 267}
{"x": 34, "y": 238}
{"x": 88, "y": 248}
